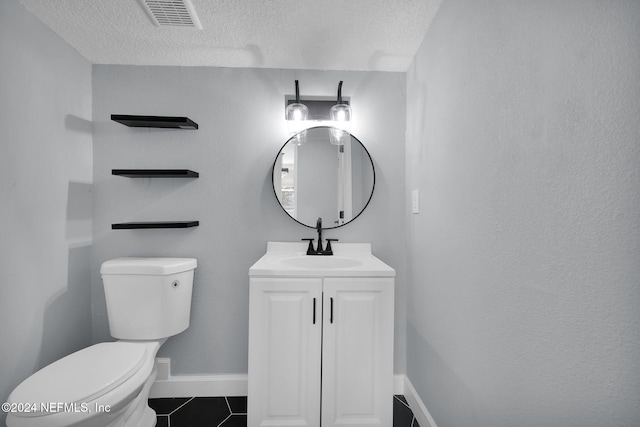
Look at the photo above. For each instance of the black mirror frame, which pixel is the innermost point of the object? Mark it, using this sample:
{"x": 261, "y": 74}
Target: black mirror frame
{"x": 373, "y": 187}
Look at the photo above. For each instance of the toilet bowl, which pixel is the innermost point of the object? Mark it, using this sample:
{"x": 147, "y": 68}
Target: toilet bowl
{"x": 108, "y": 384}
{"x": 95, "y": 386}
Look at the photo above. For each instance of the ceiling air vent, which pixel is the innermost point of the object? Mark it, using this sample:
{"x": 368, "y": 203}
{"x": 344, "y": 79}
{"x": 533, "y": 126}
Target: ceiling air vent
{"x": 171, "y": 13}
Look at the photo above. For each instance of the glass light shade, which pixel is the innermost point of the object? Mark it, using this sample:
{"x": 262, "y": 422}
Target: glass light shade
{"x": 297, "y": 112}
{"x": 340, "y": 115}
{"x": 296, "y": 115}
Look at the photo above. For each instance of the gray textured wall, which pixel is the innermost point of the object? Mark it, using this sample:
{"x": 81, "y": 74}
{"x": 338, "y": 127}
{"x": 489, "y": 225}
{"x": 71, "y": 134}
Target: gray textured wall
{"x": 45, "y": 190}
{"x": 241, "y": 118}
{"x": 523, "y": 138}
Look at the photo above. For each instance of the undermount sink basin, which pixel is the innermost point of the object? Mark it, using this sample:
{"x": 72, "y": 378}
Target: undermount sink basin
{"x": 348, "y": 260}
{"x": 321, "y": 261}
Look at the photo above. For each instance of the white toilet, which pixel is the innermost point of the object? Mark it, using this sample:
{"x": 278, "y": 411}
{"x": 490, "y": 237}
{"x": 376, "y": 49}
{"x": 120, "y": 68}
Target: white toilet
{"x": 107, "y": 384}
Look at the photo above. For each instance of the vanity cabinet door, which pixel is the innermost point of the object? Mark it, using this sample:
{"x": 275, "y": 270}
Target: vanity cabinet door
{"x": 284, "y": 352}
{"x": 357, "y": 352}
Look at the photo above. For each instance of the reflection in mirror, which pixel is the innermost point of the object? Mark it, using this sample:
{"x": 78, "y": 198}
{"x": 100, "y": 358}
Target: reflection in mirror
{"x": 325, "y": 173}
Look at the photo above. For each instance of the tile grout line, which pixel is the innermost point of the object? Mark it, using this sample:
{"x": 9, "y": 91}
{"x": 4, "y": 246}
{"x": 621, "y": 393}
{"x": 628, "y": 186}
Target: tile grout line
{"x": 405, "y": 404}
{"x": 223, "y": 421}
{"x": 230, "y": 412}
{"x": 413, "y": 417}
{"x": 171, "y": 413}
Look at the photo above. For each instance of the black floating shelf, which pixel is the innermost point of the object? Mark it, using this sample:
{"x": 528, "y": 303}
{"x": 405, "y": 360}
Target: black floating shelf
{"x": 156, "y": 224}
{"x": 155, "y": 173}
{"x": 155, "y": 121}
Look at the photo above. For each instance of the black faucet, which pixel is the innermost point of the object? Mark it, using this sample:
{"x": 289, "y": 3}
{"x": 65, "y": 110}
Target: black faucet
{"x": 319, "y": 230}
{"x": 319, "y": 250}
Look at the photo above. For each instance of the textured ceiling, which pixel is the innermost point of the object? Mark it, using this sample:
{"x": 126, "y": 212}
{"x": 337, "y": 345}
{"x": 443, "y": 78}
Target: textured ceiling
{"x": 369, "y": 35}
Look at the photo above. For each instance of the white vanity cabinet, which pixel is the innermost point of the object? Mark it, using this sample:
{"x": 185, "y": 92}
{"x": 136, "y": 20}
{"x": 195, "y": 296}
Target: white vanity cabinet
{"x": 321, "y": 347}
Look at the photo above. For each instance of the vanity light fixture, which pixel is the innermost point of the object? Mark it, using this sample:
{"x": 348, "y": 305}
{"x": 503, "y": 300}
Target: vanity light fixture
{"x": 301, "y": 115}
{"x": 296, "y": 115}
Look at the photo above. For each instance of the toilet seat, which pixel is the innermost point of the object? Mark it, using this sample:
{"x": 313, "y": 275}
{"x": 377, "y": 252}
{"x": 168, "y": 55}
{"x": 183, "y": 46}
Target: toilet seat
{"x": 80, "y": 377}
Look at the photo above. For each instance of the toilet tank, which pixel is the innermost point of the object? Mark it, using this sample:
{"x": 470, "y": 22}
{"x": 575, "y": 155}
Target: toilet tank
{"x": 148, "y": 298}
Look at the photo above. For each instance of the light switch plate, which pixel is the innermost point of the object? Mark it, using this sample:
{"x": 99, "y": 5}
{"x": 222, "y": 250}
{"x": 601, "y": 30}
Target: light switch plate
{"x": 415, "y": 201}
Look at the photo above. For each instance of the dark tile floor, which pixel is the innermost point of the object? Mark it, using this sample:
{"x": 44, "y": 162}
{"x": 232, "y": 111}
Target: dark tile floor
{"x": 232, "y": 412}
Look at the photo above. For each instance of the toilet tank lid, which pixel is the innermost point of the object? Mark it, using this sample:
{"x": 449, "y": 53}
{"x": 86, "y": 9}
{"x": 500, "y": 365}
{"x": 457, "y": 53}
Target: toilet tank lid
{"x": 151, "y": 266}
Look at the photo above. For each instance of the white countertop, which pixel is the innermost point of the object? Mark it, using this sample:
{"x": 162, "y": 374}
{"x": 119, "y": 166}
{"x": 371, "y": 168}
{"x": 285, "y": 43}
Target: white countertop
{"x": 348, "y": 260}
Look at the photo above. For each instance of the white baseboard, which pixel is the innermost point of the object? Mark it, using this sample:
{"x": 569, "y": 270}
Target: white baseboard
{"x": 217, "y": 385}
{"x": 200, "y": 386}
{"x": 417, "y": 405}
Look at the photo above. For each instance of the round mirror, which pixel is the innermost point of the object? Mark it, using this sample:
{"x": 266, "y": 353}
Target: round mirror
{"x": 323, "y": 172}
